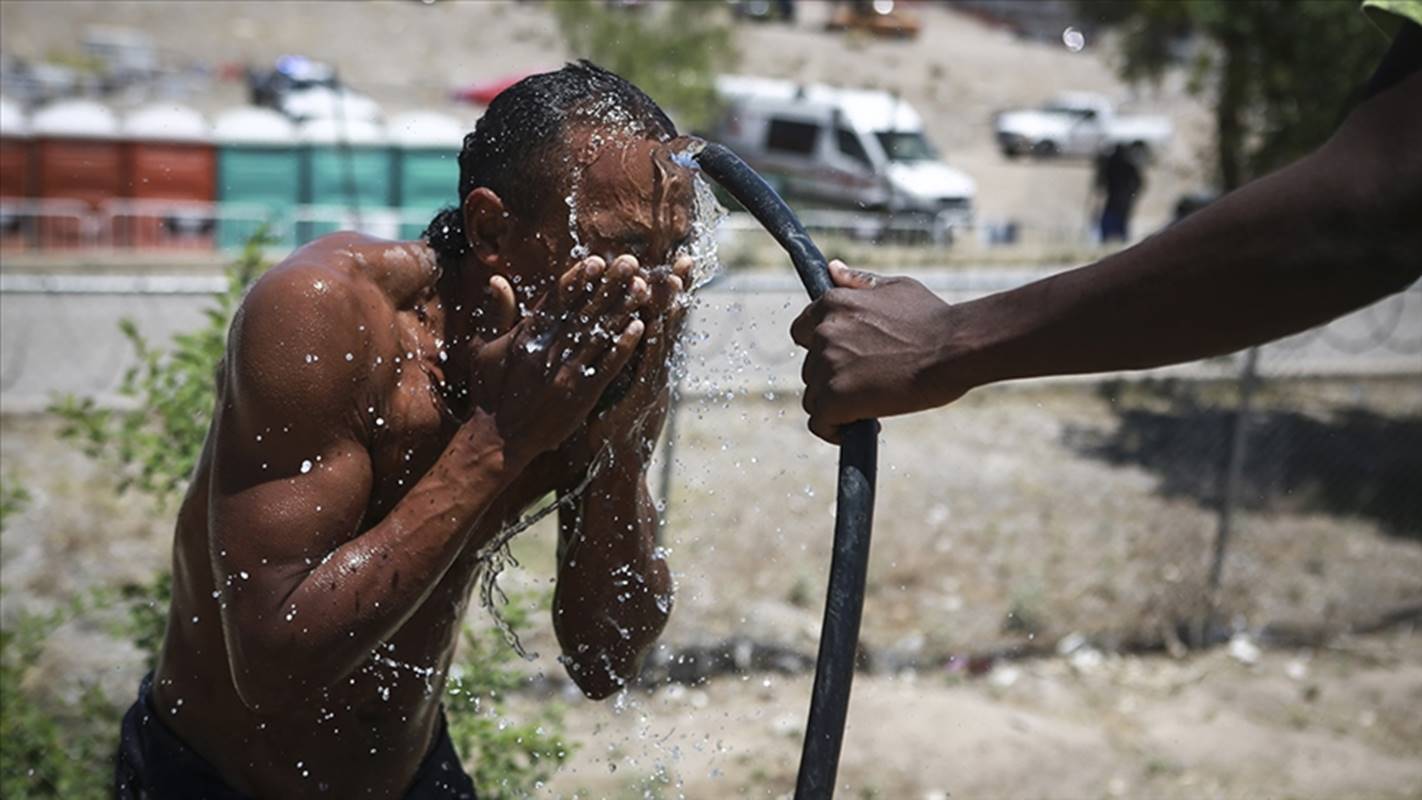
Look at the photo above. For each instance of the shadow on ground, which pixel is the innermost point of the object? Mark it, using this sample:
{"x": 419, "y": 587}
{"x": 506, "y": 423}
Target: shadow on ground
{"x": 1350, "y": 462}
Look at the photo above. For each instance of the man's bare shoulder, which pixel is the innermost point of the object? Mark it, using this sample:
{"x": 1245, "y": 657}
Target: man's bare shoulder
{"x": 304, "y": 331}
{"x": 306, "y": 336}
{"x": 342, "y": 277}
{"x": 399, "y": 270}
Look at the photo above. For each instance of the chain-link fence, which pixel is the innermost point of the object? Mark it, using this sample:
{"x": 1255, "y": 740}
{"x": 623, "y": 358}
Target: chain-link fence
{"x": 1140, "y": 510}
{"x": 1271, "y": 494}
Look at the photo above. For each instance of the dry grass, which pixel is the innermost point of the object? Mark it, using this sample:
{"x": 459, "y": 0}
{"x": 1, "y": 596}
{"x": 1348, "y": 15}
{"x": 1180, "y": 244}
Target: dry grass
{"x": 994, "y": 526}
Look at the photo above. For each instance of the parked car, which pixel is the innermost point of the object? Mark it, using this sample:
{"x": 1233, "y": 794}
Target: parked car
{"x": 303, "y": 89}
{"x": 1078, "y": 124}
{"x": 843, "y": 148}
{"x": 483, "y": 92}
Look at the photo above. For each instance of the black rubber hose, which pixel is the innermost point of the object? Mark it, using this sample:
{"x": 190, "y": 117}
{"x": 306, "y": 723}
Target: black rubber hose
{"x": 854, "y": 504}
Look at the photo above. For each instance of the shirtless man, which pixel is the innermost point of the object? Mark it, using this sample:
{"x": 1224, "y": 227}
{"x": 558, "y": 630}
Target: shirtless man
{"x": 383, "y": 411}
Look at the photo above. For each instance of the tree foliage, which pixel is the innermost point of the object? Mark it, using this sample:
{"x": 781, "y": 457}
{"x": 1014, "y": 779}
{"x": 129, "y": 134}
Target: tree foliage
{"x": 672, "y": 51}
{"x": 1278, "y": 73}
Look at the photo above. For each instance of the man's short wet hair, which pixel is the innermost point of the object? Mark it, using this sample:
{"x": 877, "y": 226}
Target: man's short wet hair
{"x": 513, "y": 148}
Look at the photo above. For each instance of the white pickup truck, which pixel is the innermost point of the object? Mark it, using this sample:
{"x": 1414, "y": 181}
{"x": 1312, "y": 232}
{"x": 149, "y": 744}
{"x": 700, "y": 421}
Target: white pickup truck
{"x": 1076, "y": 124}
{"x": 851, "y": 149}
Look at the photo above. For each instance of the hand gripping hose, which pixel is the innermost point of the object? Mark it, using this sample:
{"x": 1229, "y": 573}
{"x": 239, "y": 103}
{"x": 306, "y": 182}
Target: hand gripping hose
{"x": 854, "y": 505}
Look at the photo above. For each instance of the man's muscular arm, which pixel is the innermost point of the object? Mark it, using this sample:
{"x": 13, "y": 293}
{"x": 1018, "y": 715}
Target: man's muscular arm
{"x": 614, "y": 590}
{"x": 308, "y": 588}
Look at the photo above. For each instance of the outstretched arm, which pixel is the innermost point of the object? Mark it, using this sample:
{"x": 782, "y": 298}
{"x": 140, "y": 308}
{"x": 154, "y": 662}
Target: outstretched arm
{"x": 1331, "y": 233}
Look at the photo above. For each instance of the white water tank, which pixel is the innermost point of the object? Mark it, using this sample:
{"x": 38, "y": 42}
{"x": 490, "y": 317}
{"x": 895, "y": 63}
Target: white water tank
{"x": 252, "y": 125}
{"x": 166, "y": 122}
{"x": 426, "y": 129}
{"x": 75, "y": 119}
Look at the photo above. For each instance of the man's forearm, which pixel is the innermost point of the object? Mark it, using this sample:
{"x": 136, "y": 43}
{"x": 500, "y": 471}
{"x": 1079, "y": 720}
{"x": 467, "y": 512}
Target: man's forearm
{"x": 1290, "y": 251}
{"x": 614, "y": 587}
{"x": 362, "y": 592}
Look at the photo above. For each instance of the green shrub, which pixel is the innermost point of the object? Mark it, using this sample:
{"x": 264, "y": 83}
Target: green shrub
{"x": 510, "y": 758}
{"x": 51, "y": 745}
{"x": 13, "y": 499}
{"x": 155, "y": 444}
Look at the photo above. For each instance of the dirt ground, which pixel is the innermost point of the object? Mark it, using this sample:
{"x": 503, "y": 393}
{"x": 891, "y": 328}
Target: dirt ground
{"x": 1339, "y": 722}
{"x": 999, "y": 523}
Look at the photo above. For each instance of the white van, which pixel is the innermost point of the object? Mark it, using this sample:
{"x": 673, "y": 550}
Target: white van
{"x": 843, "y": 148}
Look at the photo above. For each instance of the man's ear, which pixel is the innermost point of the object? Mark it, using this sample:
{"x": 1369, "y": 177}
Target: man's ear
{"x": 485, "y": 226}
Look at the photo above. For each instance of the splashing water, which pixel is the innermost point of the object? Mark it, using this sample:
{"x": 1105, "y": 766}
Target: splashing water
{"x": 706, "y": 218}
{"x": 707, "y": 215}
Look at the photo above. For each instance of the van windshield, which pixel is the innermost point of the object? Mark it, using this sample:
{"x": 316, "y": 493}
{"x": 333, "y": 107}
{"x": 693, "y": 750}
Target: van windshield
{"x": 906, "y": 146}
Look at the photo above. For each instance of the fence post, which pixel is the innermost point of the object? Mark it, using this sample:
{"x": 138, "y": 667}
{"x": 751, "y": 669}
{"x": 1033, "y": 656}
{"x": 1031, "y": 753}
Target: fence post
{"x": 1229, "y": 490}
{"x": 664, "y": 476}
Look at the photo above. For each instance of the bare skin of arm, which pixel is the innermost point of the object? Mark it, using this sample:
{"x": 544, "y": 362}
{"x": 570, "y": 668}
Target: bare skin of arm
{"x": 309, "y": 589}
{"x": 614, "y": 591}
{"x": 1331, "y": 233}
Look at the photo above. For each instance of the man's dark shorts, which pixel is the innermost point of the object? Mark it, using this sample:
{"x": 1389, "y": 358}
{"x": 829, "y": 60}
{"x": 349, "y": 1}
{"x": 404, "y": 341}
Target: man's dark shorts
{"x": 154, "y": 764}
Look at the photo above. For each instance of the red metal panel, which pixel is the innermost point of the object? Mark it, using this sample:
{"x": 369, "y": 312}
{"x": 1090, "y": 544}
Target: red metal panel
{"x": 16, "y": 169}
{"x": 166, "y": 171}
{"x": 171, "y": 171}
{"x": 89, "y": 170}
{"x": 79, "y": 169}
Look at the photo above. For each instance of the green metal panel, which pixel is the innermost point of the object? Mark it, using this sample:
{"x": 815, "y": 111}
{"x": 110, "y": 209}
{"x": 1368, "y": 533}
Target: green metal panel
{"x": 354, "y": 178}
{"x": 265, "y": 176}
{"x": 428, "y": 181}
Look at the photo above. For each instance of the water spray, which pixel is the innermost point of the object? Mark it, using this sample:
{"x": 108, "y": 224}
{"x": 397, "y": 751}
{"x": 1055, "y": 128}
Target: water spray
{"x": 854, "y": 504}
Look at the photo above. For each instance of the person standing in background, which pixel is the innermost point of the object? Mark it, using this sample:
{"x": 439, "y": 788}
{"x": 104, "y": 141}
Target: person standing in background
{"x": 1119, "y": 178}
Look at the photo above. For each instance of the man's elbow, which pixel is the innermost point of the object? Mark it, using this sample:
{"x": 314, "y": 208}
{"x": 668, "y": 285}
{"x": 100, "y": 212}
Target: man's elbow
{"x": 594, "y": 687}
{"x": 601, "y": 675}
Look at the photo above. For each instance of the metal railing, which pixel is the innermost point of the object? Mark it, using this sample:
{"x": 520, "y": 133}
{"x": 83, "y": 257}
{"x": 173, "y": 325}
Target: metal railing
{"x": 65, "y": 225}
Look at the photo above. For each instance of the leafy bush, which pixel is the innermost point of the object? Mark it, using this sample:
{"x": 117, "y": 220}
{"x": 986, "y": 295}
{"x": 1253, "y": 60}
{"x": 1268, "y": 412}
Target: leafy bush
{"x": 49, "y": 746}
{"x": 510, "y": 759}
{"x": 13, "y": 499}
{"x": 155, "y": 444}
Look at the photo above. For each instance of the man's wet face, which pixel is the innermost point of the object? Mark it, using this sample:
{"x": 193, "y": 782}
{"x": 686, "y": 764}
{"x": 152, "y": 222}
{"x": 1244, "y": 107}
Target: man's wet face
{"x": 634, "y": 198}
{"x": 628, "y": 197}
